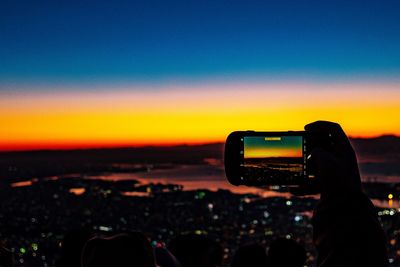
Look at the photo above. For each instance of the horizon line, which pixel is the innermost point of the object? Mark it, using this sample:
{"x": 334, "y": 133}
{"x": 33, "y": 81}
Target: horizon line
{"x": 73, "y": 147}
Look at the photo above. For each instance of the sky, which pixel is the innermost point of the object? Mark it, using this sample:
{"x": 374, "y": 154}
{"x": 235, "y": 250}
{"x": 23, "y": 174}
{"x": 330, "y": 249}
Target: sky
{"x": 116, "y": 73}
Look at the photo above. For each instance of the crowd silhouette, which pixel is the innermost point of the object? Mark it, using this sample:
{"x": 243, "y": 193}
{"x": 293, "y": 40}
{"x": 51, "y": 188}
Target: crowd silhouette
{"x": 346, "y": 230}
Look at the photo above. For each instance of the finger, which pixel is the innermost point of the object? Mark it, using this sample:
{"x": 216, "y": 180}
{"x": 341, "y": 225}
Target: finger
{"x": 323, "y": 163}
{"x": 326, "y": 170}
{"x": 323, "y": 166}
{"x": 334, "y": 132}
{"x": 332, "y": 174}
{"x": 332, "y": 129}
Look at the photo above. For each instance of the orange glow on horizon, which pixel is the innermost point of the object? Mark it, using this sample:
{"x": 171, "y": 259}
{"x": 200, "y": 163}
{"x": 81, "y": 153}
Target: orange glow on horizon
{"x": 200, "y": 114}
{"x": 269, "y": 152}
{"x": 92, "y": 145}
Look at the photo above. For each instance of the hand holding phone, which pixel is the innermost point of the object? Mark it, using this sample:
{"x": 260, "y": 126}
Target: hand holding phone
{"x": 335, "y": 166}
{"x": 273, "y": 158}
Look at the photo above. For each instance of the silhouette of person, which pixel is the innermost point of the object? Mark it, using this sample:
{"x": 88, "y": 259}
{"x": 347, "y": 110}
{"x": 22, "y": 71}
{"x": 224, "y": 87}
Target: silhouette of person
{"x": 164, "y": 258}
{"x": 71, "y": 247}
{"x": 253, "y": 255}
{"x": 6, "y": 256}
{"x": 196, "y": 251}
{"x": 346, "y": 229}
{"x": 123, "y": 250}
{"x": 286, "y": 253}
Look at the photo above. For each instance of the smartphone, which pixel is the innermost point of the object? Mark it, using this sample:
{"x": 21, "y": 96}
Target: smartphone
{"x": 267, "y": 158}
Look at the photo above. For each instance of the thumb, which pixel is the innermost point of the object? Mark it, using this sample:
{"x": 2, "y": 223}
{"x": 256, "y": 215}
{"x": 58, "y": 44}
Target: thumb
{"x": 326, "y": 169}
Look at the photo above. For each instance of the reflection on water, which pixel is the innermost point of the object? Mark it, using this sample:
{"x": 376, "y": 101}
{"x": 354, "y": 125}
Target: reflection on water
{"x": 136, "y": 194}
{"x": 394, "y": 204}
{"x": 210, "y": 177}
{"x": 382, "y": 178}
{"x": 21, "y": 184}
{"x": 191, "y": 177}
{"x": 77, "y": 191}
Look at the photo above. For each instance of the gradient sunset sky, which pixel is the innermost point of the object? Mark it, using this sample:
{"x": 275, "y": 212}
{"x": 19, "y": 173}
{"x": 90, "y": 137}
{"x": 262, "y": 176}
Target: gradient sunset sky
{"x": 116, "y": 73}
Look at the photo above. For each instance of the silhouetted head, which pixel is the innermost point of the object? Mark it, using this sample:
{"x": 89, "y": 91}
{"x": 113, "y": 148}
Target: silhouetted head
{"x": 165, "y": 258}
{"x": 124, "y": 250}
{"x": 196, "y": 251}
{"x": 286, "y": 253}
{"x": 253, "y": 255}
{"x": 6, "y": 256}
{"x": 71, "y": 247}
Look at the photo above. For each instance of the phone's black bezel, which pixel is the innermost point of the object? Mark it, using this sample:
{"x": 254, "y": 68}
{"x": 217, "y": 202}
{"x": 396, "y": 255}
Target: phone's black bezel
{"x": 233, "y": 157}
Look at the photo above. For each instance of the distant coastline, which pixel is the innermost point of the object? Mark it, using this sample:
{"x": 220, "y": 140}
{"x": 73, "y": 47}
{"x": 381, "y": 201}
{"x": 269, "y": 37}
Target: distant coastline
{"x": 354, "y": 139}
{"x": 377, "y": 156}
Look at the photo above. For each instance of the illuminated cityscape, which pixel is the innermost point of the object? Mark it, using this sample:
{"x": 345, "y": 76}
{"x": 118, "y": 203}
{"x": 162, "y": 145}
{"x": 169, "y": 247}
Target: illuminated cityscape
{"x": 184, "y": 192}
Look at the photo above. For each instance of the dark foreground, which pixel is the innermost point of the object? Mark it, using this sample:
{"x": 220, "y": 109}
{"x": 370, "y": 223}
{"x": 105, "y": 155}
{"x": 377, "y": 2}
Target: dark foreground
{"x": 35, "y": 218}
{"x": 37, "y": 212}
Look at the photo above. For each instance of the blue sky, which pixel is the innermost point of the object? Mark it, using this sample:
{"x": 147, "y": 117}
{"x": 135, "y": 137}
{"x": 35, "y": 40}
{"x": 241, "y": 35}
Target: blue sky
{"x": 154, "y": 41}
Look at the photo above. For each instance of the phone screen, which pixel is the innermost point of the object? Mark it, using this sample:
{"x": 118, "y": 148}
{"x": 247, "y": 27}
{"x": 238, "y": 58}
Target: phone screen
{"x": 273, "y": 158}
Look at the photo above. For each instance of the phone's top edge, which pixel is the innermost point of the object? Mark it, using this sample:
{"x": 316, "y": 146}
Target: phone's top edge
{"x": 250, "y": 132}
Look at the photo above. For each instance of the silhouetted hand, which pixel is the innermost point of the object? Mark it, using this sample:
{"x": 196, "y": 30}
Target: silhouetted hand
{"x": 336, "y": 169}
{"x": 346, "y": 230}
